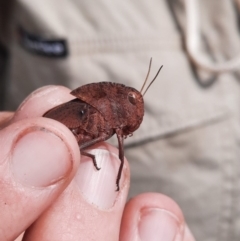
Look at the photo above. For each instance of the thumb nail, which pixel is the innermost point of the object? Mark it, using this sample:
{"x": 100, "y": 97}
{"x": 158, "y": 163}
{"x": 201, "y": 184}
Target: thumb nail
{"x": 99, "y": 187}
{"x": 40, "y": 158}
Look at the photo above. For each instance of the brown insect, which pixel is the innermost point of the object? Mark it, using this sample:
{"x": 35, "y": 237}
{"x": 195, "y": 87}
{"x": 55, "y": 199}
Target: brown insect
{"x": 101, "y": 110}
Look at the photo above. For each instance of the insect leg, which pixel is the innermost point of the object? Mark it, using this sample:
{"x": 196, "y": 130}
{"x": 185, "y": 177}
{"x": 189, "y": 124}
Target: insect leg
{"x": 103, "y": 137}
{"x": 121, "y": 155}
{"x": 92, "y": 157}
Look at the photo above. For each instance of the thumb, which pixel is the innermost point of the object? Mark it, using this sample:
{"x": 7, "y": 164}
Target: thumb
{"x": 38, "y": 159}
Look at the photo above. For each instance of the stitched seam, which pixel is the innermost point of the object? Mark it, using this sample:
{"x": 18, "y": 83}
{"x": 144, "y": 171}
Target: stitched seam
{"x": 119, "y": 43}
{"x": 226, "y": 211}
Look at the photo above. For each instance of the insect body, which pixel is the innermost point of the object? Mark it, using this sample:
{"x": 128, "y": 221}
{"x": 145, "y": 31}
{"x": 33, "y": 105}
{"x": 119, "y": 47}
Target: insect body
{"x": 99, "y": 111}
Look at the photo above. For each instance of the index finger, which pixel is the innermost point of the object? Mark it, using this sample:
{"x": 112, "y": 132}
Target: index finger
{"x": 41, "y": 100}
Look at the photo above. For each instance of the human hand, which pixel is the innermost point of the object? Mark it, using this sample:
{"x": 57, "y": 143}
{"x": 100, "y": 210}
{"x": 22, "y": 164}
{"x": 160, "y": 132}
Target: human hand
{"x": 44, "y": 191}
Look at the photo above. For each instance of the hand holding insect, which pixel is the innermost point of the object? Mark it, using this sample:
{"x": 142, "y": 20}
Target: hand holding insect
{"x": 101, "y": 110}
{"x": 24, "y": 204}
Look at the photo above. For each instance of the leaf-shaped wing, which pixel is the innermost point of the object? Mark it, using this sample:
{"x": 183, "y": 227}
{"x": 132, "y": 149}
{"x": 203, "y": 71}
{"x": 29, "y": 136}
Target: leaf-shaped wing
{"x": 72, "y": 114}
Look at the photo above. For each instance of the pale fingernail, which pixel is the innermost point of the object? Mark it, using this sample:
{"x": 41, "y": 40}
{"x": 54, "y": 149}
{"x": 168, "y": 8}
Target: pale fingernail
{"x": 40, "y": 158}
{"x": 157, "y": 225}
{"x": 99, "y": 187}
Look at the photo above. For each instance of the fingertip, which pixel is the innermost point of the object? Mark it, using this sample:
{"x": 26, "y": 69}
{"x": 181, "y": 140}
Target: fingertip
{"x": 41, "y": 100}
{"x": 41, "y": 156}
{"x": 17, "y": 130}
{"x": 38, "y": 158}
{"x": 151, "y": 215}
{"x": 156, "y": 200}
{"x": 36, "y": 149}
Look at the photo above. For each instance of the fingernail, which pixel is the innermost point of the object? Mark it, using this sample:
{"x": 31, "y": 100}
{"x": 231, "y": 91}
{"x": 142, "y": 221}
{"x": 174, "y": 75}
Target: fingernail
{"x": 157, "y": 225}
{"x": 99, "y": 187}
{"x": 40, "y": 158}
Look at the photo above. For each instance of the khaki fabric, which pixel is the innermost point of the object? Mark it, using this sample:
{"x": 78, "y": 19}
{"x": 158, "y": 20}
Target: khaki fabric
{"x": 188, "y": 146}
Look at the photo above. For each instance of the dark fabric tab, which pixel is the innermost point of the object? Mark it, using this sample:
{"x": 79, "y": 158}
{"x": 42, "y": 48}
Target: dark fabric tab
{"x": 54, "y": 48}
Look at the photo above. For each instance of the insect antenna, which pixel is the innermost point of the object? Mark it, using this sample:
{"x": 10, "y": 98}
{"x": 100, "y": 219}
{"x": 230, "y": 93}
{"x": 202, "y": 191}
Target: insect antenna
{"x": 149, "y": 68}
{"x": 152, "y": 80}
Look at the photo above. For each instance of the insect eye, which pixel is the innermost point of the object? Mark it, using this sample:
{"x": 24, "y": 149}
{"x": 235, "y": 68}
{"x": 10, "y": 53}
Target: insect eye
{"x": 132, "y": 98}
{"x": 82, "y": 112}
